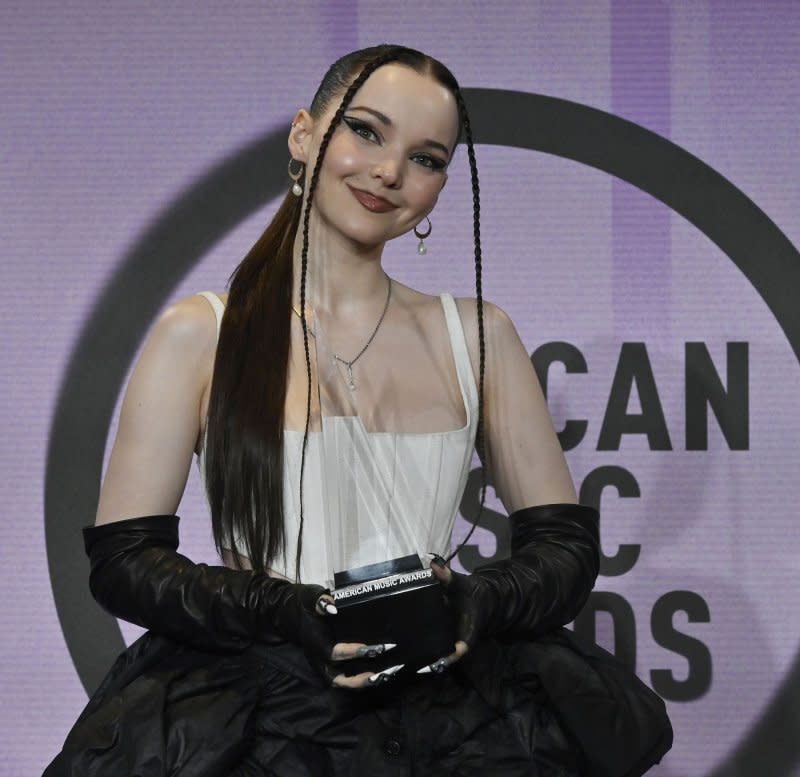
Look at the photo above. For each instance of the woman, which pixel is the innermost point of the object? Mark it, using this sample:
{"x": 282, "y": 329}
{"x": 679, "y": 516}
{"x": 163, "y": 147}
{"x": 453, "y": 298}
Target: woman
{"x": 335, "y": 417}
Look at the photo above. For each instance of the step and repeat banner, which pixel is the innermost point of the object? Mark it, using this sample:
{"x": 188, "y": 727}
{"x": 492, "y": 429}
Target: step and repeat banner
{"x": 639, "y": 177}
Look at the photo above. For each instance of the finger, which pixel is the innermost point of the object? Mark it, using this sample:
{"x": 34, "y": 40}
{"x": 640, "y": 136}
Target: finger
{"x": 353, "y": 682}
{"x": 443, "y": 664}
{"x": 438, "y": 667}
{"x": 384, "y": 676}
{"x": 343, "y": 651}
{"x": 440, "y": 570}
{"x": 366, "y": 679}
{"x": 326, "y": 605}
{"x": 372, "y": 651}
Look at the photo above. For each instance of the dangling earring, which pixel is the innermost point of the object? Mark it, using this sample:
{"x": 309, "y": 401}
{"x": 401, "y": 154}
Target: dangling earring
{"x": 421, "y": 248}
{"x": 297, "y": 190}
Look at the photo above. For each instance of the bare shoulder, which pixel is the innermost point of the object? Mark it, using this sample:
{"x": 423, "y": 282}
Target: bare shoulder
{"x": 159, "y": 420}
{"x": 499, "y": 329}
{"x": 188, "y": 329}
{"x": 500, "y": 334}
{"x": 412, "y": 299}
{"x": 191, "y": 314}
{"x": 493, "y": 315}
{"x": 182, "y": 344}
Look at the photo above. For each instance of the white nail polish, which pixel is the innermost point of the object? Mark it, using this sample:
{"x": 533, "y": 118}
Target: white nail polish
{"x": 330, "y": 608}
{"x": 390, "y": 672}
{"x": 425, "y": 670}
{"x": 389, "y": 646}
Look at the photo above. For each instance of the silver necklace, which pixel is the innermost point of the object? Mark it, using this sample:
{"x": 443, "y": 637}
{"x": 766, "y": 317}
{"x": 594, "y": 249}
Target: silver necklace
{"x": 351, "y": 384}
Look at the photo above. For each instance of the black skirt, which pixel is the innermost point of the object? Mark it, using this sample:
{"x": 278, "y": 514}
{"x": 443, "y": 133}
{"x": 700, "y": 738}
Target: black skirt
{"x": 551, "y": 707}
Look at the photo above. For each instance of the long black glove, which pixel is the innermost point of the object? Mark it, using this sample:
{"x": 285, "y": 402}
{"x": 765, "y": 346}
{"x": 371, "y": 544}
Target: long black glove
{"x": 544, "y": 584}
{"x": 138, "y": 575}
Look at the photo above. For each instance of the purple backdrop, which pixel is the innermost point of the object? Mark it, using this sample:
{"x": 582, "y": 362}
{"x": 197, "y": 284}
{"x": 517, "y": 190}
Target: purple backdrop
{"x": 110, "y": 111}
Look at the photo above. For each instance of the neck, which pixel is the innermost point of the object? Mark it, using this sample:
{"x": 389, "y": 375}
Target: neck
{"x": 343, "y": 277}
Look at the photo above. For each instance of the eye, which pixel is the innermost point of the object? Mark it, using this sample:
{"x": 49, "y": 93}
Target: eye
{"x": 432, "y": 162}
{"x": 361, "y": 128}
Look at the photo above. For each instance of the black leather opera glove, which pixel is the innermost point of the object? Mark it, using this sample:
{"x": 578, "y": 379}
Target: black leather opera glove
{"x": 555, "y": 558}
{"x": 138, "y": 575}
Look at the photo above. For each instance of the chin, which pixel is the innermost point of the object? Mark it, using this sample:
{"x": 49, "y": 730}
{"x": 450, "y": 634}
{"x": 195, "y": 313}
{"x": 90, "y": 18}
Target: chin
{"x": 361, "y": 227}
{"x": 364, "y": 235}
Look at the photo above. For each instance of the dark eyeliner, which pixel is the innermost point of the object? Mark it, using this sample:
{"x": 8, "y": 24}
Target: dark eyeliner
{"x": 436, "y": 164}
{"x": 357, "y": 124}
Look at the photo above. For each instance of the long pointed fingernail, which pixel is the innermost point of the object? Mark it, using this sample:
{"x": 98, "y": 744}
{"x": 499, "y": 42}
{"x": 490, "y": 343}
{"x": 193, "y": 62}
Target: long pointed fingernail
{"x": 385, "y": 674}
{"x": 437, "y": 667}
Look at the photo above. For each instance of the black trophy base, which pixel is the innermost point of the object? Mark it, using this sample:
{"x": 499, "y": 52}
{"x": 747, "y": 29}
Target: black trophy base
{"x": 395, "y": 602}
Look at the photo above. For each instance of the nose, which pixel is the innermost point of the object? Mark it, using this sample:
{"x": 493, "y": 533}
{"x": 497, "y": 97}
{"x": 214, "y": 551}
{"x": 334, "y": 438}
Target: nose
{"x": 389, "y": 171}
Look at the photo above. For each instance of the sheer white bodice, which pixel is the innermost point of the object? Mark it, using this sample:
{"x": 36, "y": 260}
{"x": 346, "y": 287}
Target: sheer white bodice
{"x": 375, "y": 495}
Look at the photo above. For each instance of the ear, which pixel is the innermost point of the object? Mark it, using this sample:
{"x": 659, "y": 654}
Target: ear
{"x": 300, "y": 135}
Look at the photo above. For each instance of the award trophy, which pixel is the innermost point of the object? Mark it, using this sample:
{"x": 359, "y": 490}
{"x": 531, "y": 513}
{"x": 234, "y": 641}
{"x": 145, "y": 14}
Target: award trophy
{"x": 397, "y": 601}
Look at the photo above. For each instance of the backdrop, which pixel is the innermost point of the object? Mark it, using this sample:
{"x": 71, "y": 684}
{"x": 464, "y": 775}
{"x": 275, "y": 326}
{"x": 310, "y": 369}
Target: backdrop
{"x": 641, "y": 205}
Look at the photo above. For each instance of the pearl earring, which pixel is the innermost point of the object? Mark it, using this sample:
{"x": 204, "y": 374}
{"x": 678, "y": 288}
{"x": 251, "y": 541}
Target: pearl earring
{"x": 297, "y": 190}
{"x": 421, "y": 247}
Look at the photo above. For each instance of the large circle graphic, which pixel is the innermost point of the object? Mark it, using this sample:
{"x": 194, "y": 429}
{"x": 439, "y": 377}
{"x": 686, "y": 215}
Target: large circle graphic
{"x": 232, "y": 190}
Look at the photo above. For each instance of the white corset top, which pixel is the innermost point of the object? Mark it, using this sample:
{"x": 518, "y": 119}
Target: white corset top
{"x": 373, "y": 496}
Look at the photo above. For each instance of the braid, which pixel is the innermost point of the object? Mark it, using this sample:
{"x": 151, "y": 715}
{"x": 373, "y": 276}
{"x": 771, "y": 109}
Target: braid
{"x": 365, "y": 73}
{"x": 476, "y": 226}
{"x": 335, "y": 79}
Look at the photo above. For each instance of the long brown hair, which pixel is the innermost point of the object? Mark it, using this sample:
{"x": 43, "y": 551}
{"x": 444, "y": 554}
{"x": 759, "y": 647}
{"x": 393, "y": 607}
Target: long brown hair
{"x": 244, "y": 445}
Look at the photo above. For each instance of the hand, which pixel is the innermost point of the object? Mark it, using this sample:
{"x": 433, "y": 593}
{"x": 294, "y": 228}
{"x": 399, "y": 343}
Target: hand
{"x": 466, "y": 596}
{"x": 137, "y": 574}
{"x": 343, "y": 651}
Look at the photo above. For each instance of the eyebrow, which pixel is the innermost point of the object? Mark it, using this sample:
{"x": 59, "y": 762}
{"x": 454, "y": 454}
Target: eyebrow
{"x": 383, "y": 119}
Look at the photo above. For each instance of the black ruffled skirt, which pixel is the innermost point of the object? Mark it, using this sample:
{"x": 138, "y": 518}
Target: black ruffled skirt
{"x": 553, "y": 707}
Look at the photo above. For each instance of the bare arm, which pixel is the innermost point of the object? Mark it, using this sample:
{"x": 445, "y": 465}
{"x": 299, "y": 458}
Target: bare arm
{"x": 554, "y": 547}
{"x": 160, "y": 417}
{"x": 524, "y": 458}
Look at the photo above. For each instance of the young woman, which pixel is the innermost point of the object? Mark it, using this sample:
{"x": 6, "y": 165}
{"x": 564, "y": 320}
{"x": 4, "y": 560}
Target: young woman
{"x": 334, "y": 412}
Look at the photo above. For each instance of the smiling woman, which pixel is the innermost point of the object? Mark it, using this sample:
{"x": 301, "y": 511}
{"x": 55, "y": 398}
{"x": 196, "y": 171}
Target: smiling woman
{"x": 335, "y": 412}
{"x": 390, "y": 148}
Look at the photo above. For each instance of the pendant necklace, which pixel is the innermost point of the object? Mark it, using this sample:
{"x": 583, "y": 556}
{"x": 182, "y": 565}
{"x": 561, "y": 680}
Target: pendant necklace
{"x": 351, "y": 384}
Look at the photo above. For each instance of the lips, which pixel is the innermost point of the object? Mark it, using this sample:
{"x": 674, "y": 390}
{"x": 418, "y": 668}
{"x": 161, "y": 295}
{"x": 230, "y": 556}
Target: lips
{"x": 371, "y": 202}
